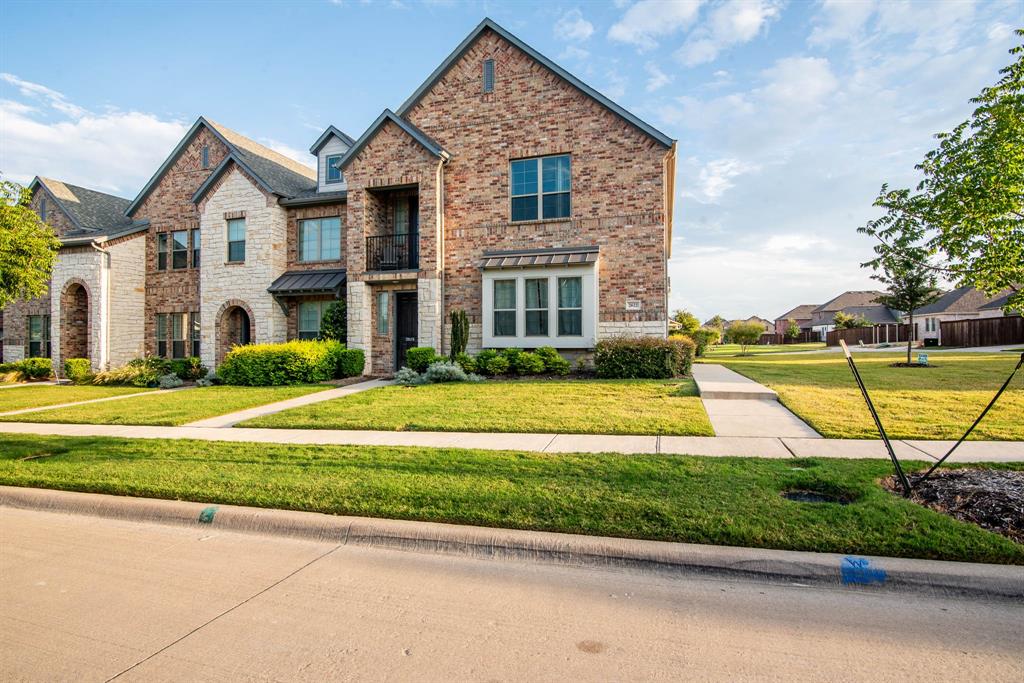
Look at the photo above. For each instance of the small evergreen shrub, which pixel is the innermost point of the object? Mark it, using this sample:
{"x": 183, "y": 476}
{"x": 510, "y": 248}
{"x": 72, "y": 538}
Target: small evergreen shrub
{"x": 490, "y": 362}
{"x": 78, "y": 370}
{"x": 409, "y": 377}
{"x": 460, "y": 332}
{"x": 444, "y": 371}
{"x": 294, "y": 362}
{"x": 511, "y": 355}
{"x": 35, "y": 368}
{"x": 527, "y": 363}
{"x": 466, "y": 362}
{"x": 419, "y": 357}
{"x": 351, "y": 363}
{"x": 643, "y": 357}
{"x": 334, "y": 323}
{"x": 169, "y": 381}
{"x": 189, "y": 369}
{"x": 553, "y": 361}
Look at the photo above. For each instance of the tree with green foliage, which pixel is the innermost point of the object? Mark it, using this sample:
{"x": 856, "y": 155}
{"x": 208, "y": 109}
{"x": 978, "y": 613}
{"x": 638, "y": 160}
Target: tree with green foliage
{"x": 460, "y": 332}
{"x": 718, "y": 322}
{"x": 745, "y": 334}
{"x": 792, "y": 329}
{"x": 688, "y": 321}
{"x": 844, "y": 321}
{"x": 969, "y": 206}
{"x": 28, "y": 246}
{"x": 334, "y": 324}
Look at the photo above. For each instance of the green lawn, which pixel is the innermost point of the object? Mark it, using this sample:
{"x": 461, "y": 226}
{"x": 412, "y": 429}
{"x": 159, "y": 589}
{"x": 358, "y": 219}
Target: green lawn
{"x": 726, "y": 350}
{"x": 939, "y": 402}
{"x": 724, "y": 501}
{"x": 564, "y": 406}
{"x": 29, "y": 396}
{"x": 166, "y": 408}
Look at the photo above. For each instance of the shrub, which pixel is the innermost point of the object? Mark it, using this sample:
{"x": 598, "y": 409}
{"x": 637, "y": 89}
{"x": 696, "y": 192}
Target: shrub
{"x": 460, "y": 332}
{"x": 490, "y": 362}
{"x": 466, "y": 362}
{"x": 553, "y": 361}
{"x": 643, "y": 357}
{"x": 444, "y": 371}
{"x": 703, "y": 338}
{"x": 293, "y": 362}
{"x": 136, "y": 375}
{"x": 189, "y": 369}
{"x": 169, "y": 381}
{"x": 527, "y": 363}
{"x": 78, "y": 370}
{"x": 409, "y": 377}
{"x": 511, "y": 355}
{"x": 35, "y": 368}
{"x": 334, "y": 323}
{"x": 350, "y": 363}
{"x": 419, "y": 357}
{"x": 745, "y": 334}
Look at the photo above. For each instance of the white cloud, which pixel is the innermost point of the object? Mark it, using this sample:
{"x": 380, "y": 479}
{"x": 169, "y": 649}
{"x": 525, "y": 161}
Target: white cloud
{"x": 572, "y": 26}
{"x": 648, "y": 20}
{"x": 573, "y": 52}
{"x": 840, "y": 20}
{"x": 799, "y": 82}
{"x": 730, "y": 23}
{"x": 41, "y": 93}
{"x": 658, "y": 78}
{"x": 616, "y": 88}
{"x": 302, "y": 156}
{"x": 713, "y": 179}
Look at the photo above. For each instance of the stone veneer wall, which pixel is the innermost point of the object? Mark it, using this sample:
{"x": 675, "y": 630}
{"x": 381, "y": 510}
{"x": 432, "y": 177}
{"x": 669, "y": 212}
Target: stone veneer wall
{"x": 236, "y": 195}
{"x": 127, "y": 288}
{"x": 360, "y": 317}
{"x": 88, "y": 267}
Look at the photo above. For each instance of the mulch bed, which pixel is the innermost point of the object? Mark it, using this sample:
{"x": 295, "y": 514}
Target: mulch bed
{"x": 911, "y": 365}
{"x": 992, "y": 499}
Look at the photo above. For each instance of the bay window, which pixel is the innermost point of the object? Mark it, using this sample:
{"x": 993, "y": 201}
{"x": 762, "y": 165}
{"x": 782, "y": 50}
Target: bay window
{"x": 540, "y": 306}
{"x": 536, "y": 307}
{"x": 570, "y": 306}
{"x": 504, "y": 308}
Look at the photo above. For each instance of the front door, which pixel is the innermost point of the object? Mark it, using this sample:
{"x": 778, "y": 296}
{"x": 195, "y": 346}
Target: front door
{"x": 406, "y": 325}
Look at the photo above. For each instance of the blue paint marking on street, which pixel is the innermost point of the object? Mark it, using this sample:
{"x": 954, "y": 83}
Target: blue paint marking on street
{"x": 859, "y": 570}
{"x": 206, "y": 516}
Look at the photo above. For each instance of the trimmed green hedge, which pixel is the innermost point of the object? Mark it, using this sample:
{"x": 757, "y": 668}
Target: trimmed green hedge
{"x": 419, "y": 358}
{"x": 30, "y": 368}
{"x": 643, "y": 357}
{"x": 78, "y": 370}
{"x": 294, "y": 362}
{"x": 351, "y": 362}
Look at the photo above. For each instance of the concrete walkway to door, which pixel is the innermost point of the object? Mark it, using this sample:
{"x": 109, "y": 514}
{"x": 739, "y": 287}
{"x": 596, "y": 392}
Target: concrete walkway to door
{"x": 738, "y": 406}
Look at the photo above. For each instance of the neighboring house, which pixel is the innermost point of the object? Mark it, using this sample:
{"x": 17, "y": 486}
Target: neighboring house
{"x": 853, "y": 303}
{"x": 962, "y": 303}
{"x": 503, "y": 186}
{"x": 801, "y": 314}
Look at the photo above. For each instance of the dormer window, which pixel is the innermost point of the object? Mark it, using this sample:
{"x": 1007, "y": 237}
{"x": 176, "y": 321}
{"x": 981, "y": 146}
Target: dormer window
{"x": 488, "y": 75}
{"x": 334, "y": 168}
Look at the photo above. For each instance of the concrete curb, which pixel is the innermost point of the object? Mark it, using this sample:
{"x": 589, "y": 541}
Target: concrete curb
{"x": 775, "y": 566}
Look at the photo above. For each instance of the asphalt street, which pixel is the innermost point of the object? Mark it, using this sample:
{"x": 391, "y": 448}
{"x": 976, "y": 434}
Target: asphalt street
{"x": 92, "y": 599}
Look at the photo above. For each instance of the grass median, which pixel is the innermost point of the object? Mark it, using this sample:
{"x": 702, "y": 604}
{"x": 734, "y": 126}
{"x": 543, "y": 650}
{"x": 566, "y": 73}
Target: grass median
{"x": 166, "y": 408}
{"x": 723, "y": 501}
{"x": 28, "y": 396}
{"x": 938, "y": 402}
{"x": 547, "y": 406}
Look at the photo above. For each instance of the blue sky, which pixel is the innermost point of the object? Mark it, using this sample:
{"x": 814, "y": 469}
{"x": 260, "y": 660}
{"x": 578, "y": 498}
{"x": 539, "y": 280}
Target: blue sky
{"x": 789, "y": 115}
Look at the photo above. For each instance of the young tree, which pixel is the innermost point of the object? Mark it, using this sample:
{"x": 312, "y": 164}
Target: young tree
{"x": 334, "y": 324}
{"x": 969, "y": 207}
{"x": 28, "y": 246}
{"x": 717, "y": 322}
{"x": 745, "y": 334}
{"x": 688, "y": 321}
{"x": 845, "y": 321}
{"x": 792, "y": 329}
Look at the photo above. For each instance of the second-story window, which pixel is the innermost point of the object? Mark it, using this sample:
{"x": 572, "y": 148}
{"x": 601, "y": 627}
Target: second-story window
{"x": 334, "y": 168}
{"x": 161, "y": 251}
{"x": 541, "y": 188}
{"x": 320, "y": 239}
{"x": 179, "y": 249}
{"x": 236, "y": 240}
{"x": 195, "y": 248}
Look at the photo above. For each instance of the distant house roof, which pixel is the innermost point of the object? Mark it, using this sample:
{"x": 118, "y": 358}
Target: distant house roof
{"x": 326, "y": 135}
{"x": 275, "y": 172}
{"x": 1000, "y": 301}
{"x": 415, "y": 133}
{"x": 525, "y": 258}
{"x": 877, "y": 313}
{"x": 961, "y": 300}
{"x": 486, "y": 24}
{"x": 847, "y": 299}
{"x": 801, "y": 312}
{"x": 94, "y": 215}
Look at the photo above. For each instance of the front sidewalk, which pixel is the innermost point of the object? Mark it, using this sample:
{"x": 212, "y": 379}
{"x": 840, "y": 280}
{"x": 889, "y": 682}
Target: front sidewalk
{"x": 713, "y": 446}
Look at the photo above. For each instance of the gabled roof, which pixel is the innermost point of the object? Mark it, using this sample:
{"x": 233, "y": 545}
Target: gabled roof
{"x": 1000, "y": 301}
{"x": 960, "y": 300}
{"x": 847, "y": 299}
{"x": 387, "y": 115}
{"x": 876, "y": 313}
{"x": 486, "y": 24}
{"x": 94, "y": 214}
{"x": 801, "y": 312}
{"x": 326, "y": 135}
{"x": 270, "y": 176}
{"x": 270, "y": 167}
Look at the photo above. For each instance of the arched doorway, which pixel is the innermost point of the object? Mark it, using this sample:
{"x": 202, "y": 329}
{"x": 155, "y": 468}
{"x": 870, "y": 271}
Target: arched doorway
{"x": 235, "y": 327}
{"x": 74, "y": 331}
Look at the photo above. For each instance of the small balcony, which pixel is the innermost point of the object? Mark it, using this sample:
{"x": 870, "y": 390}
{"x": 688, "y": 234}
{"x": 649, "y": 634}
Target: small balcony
{"x": 393, "y": 252}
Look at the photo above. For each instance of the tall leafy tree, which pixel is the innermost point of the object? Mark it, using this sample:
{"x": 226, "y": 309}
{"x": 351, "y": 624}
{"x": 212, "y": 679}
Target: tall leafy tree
{"x": 688, "y": 321}
{"x": 28, "y": 246}
{"x": 792, "y": 329}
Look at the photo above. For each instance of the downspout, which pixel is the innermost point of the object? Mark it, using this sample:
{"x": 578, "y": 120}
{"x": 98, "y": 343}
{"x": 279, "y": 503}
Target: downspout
{"x": 105, "y": 294}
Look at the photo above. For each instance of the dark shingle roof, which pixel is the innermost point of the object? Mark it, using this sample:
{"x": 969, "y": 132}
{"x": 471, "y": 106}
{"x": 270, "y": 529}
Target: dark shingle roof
{"x": 295, "y": 282}
{"x": 847, "y": 299}
{"x": 95, "y": 215}
{"x": 801, "y": 312}
{"x": 960, "y": 300}
{"x": 877, "y": 313}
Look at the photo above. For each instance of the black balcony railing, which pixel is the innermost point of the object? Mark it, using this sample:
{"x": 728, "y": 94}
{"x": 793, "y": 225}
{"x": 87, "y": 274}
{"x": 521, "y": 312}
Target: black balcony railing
{"x": 393, "y": 252}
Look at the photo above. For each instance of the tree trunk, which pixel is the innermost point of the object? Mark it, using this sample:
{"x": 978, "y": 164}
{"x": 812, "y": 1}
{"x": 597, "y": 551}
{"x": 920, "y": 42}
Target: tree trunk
{"x": 910, "y": 335}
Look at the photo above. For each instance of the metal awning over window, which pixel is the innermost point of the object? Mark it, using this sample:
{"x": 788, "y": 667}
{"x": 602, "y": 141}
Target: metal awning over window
{"x": 561, "y": 256}
{"x": 303, "y": 282}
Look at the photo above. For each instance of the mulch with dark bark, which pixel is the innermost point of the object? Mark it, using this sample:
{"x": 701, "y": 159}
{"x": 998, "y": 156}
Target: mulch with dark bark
{"x": 992, "y": 499}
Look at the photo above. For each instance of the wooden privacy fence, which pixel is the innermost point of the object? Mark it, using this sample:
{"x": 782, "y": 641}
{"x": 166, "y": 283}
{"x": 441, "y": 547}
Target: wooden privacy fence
{"x": 982, "y": 332}
{"x": 876, "y": 334}
{"x": 769, "y": 338}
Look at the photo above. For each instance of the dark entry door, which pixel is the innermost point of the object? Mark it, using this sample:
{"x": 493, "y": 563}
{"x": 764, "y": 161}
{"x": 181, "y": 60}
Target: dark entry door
{"x": 406, "y": 325}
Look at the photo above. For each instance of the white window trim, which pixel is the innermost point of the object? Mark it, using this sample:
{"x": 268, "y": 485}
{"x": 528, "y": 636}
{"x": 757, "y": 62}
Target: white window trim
{"x": 327, "y": 169}
{"x": 588, "y": 273}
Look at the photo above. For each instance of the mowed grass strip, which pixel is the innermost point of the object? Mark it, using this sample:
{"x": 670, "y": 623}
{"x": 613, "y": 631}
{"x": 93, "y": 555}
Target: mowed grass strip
{"x": 939, "y": 402}
{"x": 17, "y": 398}
{"x": 724, "y": 501}
{"x": 729, "y": 350}
{"x": 168, "y": 408}
{"x": 563, "y": 406}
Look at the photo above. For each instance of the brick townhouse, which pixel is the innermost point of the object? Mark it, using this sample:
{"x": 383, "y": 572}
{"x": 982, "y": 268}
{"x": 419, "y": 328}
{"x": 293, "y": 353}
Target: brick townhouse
{"x": 503, "y": 186}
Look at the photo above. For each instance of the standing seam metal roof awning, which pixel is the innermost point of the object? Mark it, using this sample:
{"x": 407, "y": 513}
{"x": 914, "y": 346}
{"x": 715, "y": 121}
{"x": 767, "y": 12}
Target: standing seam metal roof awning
{"x": 296, "y": 282}
{"x": 576, "y": 256}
